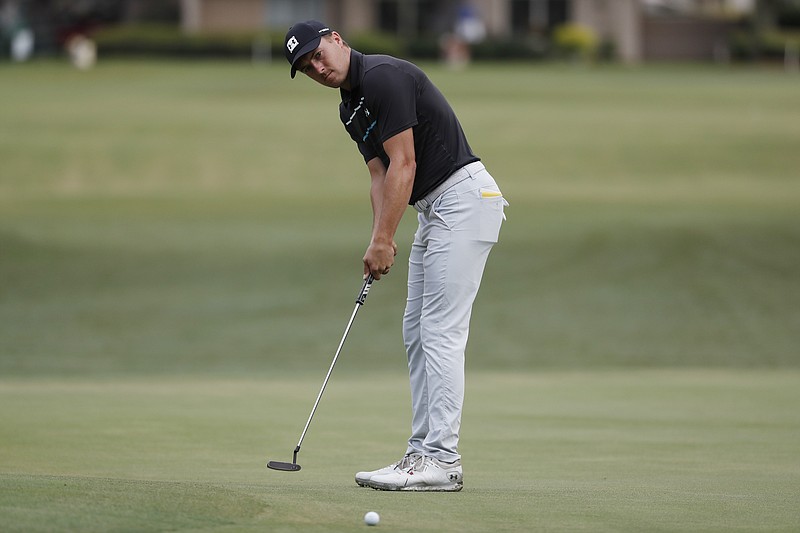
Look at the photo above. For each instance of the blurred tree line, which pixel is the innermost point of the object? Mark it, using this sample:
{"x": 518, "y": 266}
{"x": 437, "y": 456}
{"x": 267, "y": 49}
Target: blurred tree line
{"x": 152, "y": 27}
{"x": 772, "y": 33}
{"x": 53, "y": 22}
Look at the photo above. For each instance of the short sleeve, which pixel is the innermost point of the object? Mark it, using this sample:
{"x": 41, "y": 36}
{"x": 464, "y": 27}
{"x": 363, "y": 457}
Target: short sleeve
{"x": 367, "y": 152}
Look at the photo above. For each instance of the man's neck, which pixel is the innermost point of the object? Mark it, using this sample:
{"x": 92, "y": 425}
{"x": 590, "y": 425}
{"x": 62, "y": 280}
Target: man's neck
{"x": 346, "y": 84}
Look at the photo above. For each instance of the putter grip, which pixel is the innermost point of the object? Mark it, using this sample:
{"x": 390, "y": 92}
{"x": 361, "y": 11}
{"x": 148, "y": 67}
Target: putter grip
{"x": 362, "y": 295}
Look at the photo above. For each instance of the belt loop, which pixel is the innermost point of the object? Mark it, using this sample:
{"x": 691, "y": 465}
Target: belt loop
{"x": 472, "y": 166}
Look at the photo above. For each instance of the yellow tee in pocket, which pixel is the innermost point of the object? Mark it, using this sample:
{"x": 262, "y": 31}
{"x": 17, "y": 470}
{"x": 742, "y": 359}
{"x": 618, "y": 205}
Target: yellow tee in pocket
{"x": 488, "y": 193}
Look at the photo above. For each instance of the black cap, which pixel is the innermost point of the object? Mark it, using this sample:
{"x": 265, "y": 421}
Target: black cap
{"x": 301, "y": 39}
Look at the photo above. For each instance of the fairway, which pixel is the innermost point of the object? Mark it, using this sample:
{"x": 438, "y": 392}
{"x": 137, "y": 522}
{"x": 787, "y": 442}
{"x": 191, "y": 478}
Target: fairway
{"x": 608, "y": 451}
{"x": 180, "y": 248}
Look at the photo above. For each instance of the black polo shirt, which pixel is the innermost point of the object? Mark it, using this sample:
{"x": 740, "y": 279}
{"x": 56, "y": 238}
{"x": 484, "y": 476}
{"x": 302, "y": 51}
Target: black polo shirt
{"x": 388, "y": 96}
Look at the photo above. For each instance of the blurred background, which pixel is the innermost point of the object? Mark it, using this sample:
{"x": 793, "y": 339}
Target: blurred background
{"x": 172, "y": 202}
{"x": 629, "y": 31}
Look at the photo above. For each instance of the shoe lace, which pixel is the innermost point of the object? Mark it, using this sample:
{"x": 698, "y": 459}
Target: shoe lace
{"x": 406, "y": 462}
{"x": 417, "y": 463}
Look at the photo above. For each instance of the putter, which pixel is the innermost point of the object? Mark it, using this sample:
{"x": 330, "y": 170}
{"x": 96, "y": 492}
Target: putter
{"x": 293, "y": 466}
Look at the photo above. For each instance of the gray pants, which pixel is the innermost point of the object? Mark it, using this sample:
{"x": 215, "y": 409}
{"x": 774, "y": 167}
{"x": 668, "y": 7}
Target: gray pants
{"x": 455, "y": 235}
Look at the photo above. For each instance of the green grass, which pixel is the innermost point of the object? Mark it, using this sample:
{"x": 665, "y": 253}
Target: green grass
{"x": 173, "y": 218}
{"x": 711, "y": 450}
{"x": 180, "y": 248}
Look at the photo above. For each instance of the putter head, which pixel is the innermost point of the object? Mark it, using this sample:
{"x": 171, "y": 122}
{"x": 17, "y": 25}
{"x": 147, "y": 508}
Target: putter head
{"x": 286, "y": 467}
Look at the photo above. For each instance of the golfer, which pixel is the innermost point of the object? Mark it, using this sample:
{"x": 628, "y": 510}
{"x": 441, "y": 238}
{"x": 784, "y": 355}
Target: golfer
{"x": 416, "y": 154}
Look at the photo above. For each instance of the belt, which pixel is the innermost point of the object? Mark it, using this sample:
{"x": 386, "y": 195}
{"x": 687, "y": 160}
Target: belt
{"x": 458, "y": 176}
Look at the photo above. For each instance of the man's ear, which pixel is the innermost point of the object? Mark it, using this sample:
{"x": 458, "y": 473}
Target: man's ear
{"x": 338, "y": 39}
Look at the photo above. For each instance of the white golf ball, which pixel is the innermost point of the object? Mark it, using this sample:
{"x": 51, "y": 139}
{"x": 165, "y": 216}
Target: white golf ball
{"x": 372, "y": 518}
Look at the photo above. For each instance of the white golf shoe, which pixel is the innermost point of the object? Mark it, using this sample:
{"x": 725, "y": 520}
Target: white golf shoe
{"x": 363, "y": 478}
{"x": 426, "y": 474}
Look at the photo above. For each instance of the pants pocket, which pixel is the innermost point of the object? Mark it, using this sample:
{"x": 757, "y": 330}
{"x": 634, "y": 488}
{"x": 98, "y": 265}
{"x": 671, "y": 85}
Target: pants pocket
{"x": 490, "y": 214}
{"x": 446, "y": 208}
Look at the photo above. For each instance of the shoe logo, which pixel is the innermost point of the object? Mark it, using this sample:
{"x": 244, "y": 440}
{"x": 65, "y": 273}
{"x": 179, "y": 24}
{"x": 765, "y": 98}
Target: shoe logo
{"x": 453, "y": 476}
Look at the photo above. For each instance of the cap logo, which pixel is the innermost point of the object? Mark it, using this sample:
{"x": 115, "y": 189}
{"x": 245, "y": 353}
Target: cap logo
{"x": 323, "y": 30}
{"x": 291, "y": 44}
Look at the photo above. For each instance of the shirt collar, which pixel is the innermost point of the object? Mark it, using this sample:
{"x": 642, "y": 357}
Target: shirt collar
{"x": 355, "y": 75}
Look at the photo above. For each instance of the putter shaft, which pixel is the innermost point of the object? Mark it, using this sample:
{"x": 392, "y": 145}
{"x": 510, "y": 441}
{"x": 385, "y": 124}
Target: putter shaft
{"x": 362, "y": 297}
{"x": 293, "y": 466}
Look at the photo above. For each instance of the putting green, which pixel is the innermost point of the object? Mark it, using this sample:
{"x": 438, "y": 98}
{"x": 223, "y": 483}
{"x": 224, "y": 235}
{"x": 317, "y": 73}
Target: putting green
{"x": 677, "y": 450}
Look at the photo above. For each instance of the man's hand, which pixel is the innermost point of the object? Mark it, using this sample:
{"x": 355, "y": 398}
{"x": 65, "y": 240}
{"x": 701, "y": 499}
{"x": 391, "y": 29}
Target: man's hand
{"x": 379, "y": 258}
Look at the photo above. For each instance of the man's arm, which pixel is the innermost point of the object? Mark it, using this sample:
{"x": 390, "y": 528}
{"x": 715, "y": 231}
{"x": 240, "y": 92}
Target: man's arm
{"x": 390, "y": 191}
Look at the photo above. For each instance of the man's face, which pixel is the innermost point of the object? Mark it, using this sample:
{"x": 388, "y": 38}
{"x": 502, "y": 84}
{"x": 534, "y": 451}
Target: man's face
{"x": 329, "y": 64}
